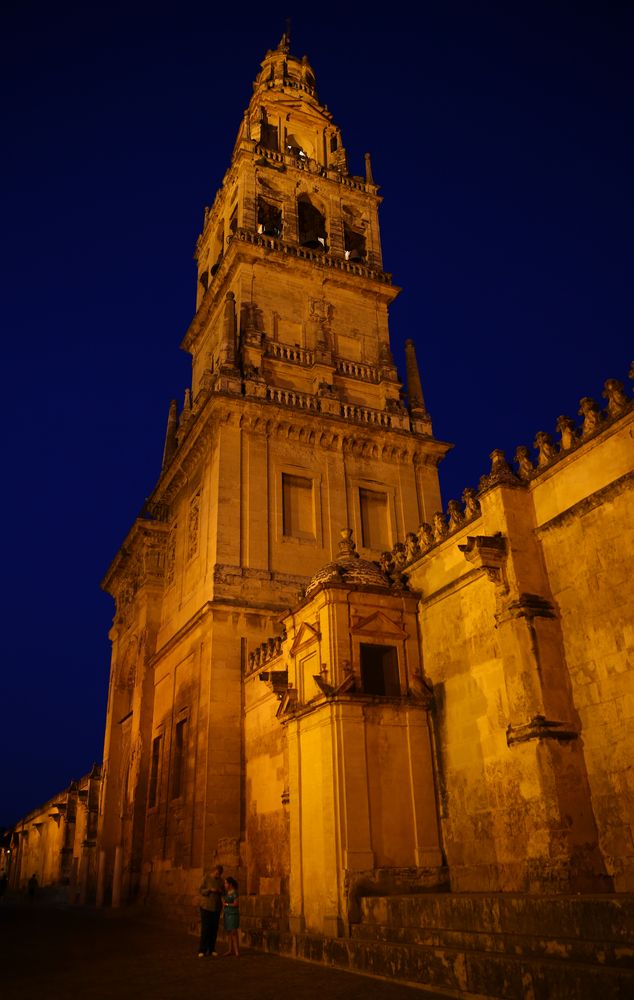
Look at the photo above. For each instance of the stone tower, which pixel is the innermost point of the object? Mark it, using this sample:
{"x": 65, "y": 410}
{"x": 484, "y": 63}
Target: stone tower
{"x": 294, "y": 428}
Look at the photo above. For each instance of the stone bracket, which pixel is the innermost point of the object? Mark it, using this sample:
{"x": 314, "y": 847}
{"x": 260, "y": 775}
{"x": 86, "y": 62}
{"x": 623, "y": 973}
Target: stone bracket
{"x": 539, "y": 728}
{"x": 277, "y": 680}
{"x": 527, "y": 606}
{"x": 487, "y": 552}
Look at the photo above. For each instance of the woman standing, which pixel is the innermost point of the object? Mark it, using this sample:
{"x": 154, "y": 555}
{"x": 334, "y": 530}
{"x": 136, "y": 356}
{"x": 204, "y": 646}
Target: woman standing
{"x": 231, "y": 915}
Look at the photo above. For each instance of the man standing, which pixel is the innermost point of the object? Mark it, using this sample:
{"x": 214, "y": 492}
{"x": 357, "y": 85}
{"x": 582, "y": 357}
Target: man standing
{"x": 211, "y": 890}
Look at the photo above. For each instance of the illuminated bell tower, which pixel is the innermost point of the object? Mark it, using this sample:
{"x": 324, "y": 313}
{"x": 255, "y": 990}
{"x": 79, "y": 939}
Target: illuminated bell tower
{"x": 294, "y": 427}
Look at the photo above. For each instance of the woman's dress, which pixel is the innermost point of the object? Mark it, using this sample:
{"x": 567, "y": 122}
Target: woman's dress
{"x": 231, "y": 913}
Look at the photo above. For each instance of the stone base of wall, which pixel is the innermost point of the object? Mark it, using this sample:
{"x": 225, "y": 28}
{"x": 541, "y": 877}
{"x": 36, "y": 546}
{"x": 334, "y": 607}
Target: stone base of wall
{"x": 513, "y": 947}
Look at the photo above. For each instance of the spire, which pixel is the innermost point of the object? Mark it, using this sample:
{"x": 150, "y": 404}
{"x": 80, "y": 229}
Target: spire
{"x": 170, "y": 435}
{"x": 369, "y": 179}
{"x": 414, "y": 387}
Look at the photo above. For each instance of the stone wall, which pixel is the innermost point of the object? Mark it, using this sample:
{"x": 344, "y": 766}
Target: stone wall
{"x": 525, "y": 620}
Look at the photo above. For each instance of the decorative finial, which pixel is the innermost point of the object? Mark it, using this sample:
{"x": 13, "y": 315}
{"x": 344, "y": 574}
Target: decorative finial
{"x": 524, "y": 462}
{"x": 347, "y": 548}
{"x": 567, "y": 431}
{"x": 285, "y": 40}
{"x": 591, "y": 414}
{"x": 547, "y": 451}
{"x": 471, "y": 503}
{"x": 618, "y": 402}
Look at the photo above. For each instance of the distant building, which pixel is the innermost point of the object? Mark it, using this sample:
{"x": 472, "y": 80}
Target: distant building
{"x": 347, "y": 697}
{"x": 57, "y": 843}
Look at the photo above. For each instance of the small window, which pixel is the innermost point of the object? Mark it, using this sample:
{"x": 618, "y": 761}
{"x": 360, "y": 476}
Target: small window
{"x": 333, "y": 143}
{"x": 154, "y": 771}
{"x": 297, "y": 507}
{"x": 374, "y": 534}
{"x": 178, "y": 759}
{"x": 379, "y": 669}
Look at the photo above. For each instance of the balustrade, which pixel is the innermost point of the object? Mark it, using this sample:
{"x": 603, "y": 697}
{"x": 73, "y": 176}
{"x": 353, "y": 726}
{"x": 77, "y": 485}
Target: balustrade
{"x": 356, "y": 370}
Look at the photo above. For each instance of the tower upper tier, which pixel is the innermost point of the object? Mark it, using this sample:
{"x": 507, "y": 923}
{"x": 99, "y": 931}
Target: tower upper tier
{"x": 286, "y": 117}
{"x": 292, "y": 296}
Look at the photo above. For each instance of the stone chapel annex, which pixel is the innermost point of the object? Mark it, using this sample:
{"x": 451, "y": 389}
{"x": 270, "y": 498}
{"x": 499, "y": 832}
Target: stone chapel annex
{"x": 347, "y": 697}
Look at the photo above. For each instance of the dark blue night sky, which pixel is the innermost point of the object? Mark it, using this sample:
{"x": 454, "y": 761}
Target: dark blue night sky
{"x": 501, "y": 136}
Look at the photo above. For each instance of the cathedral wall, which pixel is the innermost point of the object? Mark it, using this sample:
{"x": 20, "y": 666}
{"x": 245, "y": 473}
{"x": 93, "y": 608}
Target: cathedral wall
{"x": 509, "y": 801}
{"x": 587, "y": 546}
{"x": 477, "y": 779}
{"x": 266, "y": 791}
{"x": 388, "y": 739}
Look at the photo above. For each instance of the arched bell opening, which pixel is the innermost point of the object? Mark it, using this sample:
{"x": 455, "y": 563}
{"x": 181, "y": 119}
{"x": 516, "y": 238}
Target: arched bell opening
{"x": 354, "y": 244}
{"x": 218, "y": 248}
{"x": 311, "y": 225}
{"x": 299, "y": 147}
{"x": 269, "y": 220}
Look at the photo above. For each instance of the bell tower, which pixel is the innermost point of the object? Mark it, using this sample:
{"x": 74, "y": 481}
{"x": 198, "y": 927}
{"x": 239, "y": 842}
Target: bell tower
{"x": 295, "y": 426}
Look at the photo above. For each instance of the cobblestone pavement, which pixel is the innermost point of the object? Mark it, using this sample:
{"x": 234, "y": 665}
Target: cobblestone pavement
{"x": 88, "y": 954}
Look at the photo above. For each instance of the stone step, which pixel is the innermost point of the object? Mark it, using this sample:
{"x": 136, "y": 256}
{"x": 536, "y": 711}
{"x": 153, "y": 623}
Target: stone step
{"x": 507, "y": 947}
{"x": 604, "y": 953}
{"x": 592, "y": 918}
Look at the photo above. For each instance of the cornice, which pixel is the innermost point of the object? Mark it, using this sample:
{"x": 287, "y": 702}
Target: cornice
{"x": 132, "y": 547}
{"x": 330, "y": 432}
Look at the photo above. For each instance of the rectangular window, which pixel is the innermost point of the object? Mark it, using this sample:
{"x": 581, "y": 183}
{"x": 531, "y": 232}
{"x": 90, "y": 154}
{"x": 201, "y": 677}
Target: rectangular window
{"x": 178, "y": 758}
{"x": 374, "y": 534}
{"x": 379, "y": 669}
{"x": 298, "y": 510}
{"x": 154, "y": 771}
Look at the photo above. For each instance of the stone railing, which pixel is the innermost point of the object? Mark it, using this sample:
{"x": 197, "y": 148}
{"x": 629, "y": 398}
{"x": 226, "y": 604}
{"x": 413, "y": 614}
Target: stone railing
{"x": 311, "y": 166}
{"x": 307, "y": 253}
{"x": 367, "y": 373}
{"x": 594, "y": 420}
{"x": 365, "y": 415}
{"x": 289, "y": 352}
{"x": 290, "y": 397}
{"x": 293, "y": 84}
{"x": 268, "y": 650}
{"x": 307, "y": 401}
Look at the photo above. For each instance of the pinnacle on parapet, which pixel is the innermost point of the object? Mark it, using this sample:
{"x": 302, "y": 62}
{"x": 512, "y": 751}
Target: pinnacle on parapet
{"x": 369, "y": 179}
{"x": 414, "y": 386}
{"x": 571, "y": 437}
{"x": 170, "y": 435}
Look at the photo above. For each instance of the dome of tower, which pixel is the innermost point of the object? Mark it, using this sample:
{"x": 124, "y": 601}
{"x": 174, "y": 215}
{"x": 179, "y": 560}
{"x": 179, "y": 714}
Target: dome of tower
{"x": 280, "y": 68}
{"x": 349, "y": 568}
